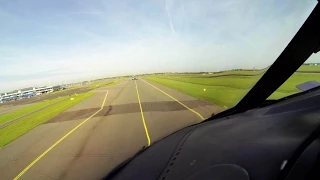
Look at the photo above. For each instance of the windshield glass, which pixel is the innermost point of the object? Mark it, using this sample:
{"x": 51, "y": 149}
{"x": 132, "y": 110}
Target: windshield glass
{"x": 87, "y": 84}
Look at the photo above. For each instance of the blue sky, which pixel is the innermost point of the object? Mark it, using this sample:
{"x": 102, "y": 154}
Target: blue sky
{"x": 50, "y": 41}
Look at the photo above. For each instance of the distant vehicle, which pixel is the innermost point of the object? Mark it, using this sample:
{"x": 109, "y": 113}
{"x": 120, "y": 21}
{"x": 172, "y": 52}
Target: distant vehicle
{"x": 63, "y": 87}
{"x": 5, "y": 99}
{"x": 13, "y": 97}
{"x": 134, "y": 78}
{"x": 28, "y": 95}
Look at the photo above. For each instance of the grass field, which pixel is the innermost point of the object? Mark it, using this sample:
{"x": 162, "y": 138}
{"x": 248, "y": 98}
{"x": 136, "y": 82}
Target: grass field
{"x": 15, "y": 130}
{"x": 25, "y": 110}
{"x": 309, "y": 68}
{"x": 229, "y": 89}
{"x": 248, "y": 72}
{"x": 102, "y": 84}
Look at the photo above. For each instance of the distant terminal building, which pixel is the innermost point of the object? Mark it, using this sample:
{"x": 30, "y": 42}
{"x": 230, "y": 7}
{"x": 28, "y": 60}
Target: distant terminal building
{"x": 29, "y": 92}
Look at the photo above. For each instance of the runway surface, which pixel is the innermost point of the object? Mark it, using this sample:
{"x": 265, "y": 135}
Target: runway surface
{"x": 88, "y": 140}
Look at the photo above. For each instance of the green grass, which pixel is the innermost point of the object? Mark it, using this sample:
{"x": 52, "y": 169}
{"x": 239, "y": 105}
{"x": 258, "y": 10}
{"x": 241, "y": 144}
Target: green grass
{"x": 231, "y": 72}
{"x": 15, "y": 130}
{"x": 241, "y": 82}
{"x": 238, "y": 72}
{"x": 227, "y": 90}
{"x": 25, "y": 110}
{"x": 297, "y": 78}
{"x": 309, "y": 68}
{"x": 304, "y": 68}
{"x": 103, "y": 84}
{"x": 215, "y": 94}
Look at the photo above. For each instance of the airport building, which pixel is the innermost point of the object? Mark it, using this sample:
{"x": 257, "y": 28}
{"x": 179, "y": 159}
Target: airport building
{"x": 28, "y": 92}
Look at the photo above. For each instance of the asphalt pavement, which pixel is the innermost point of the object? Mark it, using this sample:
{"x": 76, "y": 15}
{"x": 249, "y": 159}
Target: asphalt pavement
{"x": 88, "y": 140}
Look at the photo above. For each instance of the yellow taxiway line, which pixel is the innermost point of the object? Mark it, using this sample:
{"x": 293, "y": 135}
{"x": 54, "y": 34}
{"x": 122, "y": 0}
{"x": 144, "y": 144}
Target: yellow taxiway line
{"x": 142, "y": 116}
{"x": 61, "y": 139}
{"x": 195, "y": 112}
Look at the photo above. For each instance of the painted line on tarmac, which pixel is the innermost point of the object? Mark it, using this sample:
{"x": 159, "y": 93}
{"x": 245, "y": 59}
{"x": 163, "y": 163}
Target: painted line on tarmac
{"x": 61, "y": 139}
{"x": 142, "y": 116}
{"x": 195, "y": 112}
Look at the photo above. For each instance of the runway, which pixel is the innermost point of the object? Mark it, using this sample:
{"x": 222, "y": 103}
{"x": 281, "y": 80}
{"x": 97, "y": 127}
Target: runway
{"x": 88, "y": 140}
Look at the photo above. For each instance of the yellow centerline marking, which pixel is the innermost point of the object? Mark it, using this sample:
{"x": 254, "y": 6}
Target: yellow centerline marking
{"x": 142, "y": 116}
{"x": 61, "y": 139}
{"x": 195, "y": 112}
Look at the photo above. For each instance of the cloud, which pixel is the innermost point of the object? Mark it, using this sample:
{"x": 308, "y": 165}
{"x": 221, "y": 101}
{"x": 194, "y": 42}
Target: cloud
{"x": 87, "y": 12}
{"x": 87, "y": 39}
{"x": 170, "y": 21}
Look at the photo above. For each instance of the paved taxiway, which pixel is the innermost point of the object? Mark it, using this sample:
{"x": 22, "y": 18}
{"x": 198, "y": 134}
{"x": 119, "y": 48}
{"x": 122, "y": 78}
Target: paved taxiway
{"x": 92, "y": 137}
